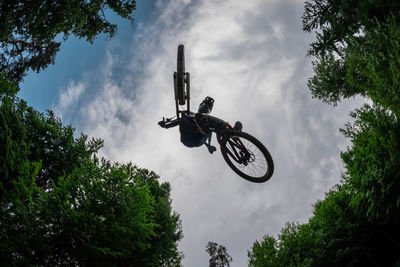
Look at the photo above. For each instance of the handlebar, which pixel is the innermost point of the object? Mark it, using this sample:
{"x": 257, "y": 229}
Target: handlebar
{"x": 164, "y": 121}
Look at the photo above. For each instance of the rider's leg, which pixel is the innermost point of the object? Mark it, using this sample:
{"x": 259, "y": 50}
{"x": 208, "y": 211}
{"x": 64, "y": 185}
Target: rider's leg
{"x": 210, "y": 147}
{"x": 202, "y": 123}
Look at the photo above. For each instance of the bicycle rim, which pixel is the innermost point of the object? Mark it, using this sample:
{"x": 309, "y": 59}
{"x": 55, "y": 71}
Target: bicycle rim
{"x": 247, "y": 156}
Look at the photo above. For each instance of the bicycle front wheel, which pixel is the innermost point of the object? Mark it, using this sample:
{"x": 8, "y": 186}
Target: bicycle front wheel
{"x": 180, "y": 75}
{"x": 247, "y": 156}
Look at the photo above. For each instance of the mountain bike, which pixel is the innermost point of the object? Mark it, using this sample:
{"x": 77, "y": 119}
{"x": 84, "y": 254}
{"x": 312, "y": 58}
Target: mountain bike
{"x": 243, "y": 153}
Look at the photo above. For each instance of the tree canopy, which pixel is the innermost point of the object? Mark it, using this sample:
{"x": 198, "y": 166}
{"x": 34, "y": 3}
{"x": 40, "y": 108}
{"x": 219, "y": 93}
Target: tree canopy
{"x": 219, "y": 255}
{"x": 356, "y": 50}
{"x": 59, "y": 203}
{"x": 30, "y": 30}
{"x": 356, "y": 224}
{"x": 62, "y": 205}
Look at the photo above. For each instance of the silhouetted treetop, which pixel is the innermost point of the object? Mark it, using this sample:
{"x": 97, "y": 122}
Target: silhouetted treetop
{"x": 219, "y": 256}
{"x": 29, "y": 30}
{"x": 335, "y": 20}
{"x": 61, "y": 205}
{"x": 357, "y": 52}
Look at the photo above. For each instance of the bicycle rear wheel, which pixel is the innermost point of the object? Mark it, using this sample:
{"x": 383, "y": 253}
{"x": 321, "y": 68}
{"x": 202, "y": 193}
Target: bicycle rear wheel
{"x": 247, "y": 156}
{"x": 180, "y": 75}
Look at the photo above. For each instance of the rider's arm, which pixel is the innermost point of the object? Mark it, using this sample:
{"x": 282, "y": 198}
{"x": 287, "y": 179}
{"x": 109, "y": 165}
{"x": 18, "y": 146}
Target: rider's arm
{"x": 169, "y": 124}
{"x": 172, "y": 123}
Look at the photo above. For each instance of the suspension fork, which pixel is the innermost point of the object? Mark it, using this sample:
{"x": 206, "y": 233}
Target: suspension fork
{"x": 235, "y": 145}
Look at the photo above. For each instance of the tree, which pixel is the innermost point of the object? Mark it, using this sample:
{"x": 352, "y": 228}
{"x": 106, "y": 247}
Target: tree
{"x": 373, "y": 65}
{"x": 264, "y": 253}
{"x": 334, "y": 21}
{"x": 356, "y": 224}
{"x": 61, "y": 205}
{"x": 29, "y": 30}
{"x": 373, "y": 164}
{"x": 334, "y": 236}
{"x": 356, "y": 49}
{"x": 219, "y": 256}
{"x": 102, "y": 214}
{"x": 30, "y": 136}
{"x": 329, "y": 82}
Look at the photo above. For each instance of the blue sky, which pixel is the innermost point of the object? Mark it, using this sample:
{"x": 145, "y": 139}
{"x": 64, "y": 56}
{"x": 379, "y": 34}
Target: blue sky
{"x": 250, "y": 56}
{"x": 76, "y": 56}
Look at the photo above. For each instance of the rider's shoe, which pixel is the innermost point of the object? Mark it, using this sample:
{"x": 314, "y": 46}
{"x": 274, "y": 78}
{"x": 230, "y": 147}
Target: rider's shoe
{"x": 211, "y": 149}
{"x": 238, "y": 126}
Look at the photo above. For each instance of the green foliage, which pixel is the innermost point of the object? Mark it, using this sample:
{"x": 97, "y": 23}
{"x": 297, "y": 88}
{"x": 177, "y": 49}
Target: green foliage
{"x": 264, "y": 253}
{"x": 333, "y": 236}
{"x": 349, "y": 238}
{"x": 28, "y": 29}
{"x": 357, "y": 50}
{"x": 373, "y": 63}
{"x": 334, "y": 223}
{"x": 329, "y": 82}
{"x": 55, "y": 146}
{"x": 334, "y": 21}
{"x": 102, "y": 214}
{"x": 61, "y": 205}
{"x": 13, "y": 136}
{"x": 294, "y": 247}
{"x": 30, "y": 136}
{"x": 357, "y": 224}
{"x": 373, "y": 164}
{"x": 219, "y": 256}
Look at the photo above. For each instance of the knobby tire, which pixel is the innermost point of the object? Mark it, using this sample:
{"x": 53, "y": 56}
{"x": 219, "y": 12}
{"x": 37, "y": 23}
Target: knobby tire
{"x": 181, "y": 75}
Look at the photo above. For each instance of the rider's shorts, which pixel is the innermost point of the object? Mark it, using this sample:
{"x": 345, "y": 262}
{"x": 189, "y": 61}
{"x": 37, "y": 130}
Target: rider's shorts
{"x": 190, "y": 135}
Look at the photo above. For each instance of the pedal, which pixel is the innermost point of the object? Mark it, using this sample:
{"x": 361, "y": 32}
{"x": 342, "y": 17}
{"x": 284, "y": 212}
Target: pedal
{"x": 211, "y": 149}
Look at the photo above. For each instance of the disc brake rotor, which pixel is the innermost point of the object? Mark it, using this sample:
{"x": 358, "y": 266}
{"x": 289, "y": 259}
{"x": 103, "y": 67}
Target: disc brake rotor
{"x": 247, "y": 157}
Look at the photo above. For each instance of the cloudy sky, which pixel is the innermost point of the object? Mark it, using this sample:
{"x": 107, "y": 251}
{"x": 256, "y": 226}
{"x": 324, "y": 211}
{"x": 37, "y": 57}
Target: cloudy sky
{"x": 250, "y": 56}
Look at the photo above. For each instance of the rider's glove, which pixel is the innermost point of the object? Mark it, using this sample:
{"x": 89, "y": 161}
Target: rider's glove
{"x": 162, "y": 124}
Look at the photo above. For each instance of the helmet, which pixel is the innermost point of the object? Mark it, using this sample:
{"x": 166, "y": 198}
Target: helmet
{"x": 206, "y": 105}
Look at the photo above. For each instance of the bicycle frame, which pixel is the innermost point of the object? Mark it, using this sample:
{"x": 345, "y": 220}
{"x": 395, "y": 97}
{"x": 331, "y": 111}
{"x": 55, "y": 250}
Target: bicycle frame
{"x": 215, "y": 124}
{"x": 238, "y": 151}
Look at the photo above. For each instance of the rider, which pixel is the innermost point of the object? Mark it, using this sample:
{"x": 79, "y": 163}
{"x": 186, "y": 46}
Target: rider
{"x": 192, "y": 134}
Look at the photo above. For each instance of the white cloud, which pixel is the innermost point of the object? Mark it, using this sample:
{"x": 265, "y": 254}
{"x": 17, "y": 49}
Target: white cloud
{"x": 249, "y": 56}
{"x": 69, "y": 96}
